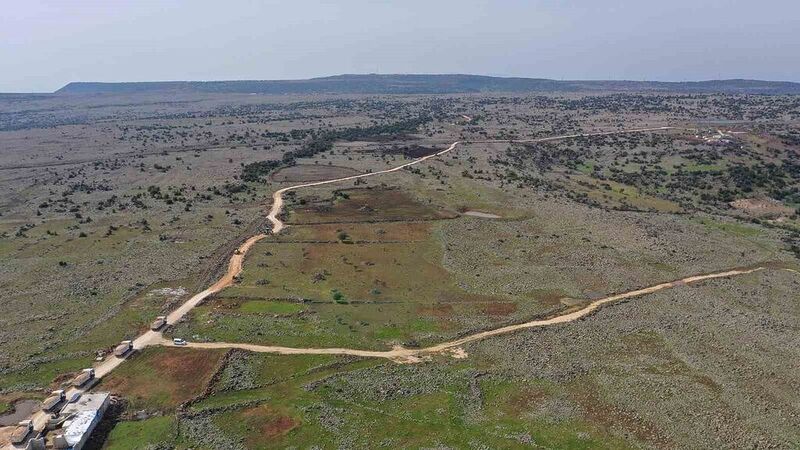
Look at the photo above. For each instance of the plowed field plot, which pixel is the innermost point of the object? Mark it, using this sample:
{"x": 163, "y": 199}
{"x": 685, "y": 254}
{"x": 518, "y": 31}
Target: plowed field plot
{"x": 363, "y": 205}
{"x": 161, "y": 378}
{"x": 330, "y": 294}
{"x": 311, "y": 172}
{"x": 355, "y": 232}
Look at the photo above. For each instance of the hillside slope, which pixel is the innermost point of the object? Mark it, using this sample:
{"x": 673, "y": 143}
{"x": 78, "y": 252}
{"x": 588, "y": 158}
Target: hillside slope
{"x": 428, "y": 84}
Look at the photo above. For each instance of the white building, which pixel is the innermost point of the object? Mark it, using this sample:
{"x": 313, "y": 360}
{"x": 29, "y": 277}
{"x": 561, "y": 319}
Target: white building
{"x": 81, "y": 419}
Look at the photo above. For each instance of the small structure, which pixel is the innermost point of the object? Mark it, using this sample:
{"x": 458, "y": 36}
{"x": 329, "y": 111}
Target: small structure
{"x": 158, "y": 323}
{"x": 123, "y": 349}
{"x": 83, "y": 378}
{"x": 81, "y": 419}
{"x": 21, "y": 432}
{"x": 50, "y": 404}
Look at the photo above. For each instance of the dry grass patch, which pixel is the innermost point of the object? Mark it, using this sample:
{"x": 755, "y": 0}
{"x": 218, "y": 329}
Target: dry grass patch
{"x": 311, "y": 172}
{"x": 609, "y": 416}
{"x": 366, "y": 205}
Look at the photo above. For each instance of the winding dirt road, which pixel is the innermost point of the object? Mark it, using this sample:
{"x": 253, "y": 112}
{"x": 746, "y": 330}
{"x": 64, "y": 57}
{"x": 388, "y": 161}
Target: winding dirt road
{"x": 400, "y": 354}
{"x": 277, "y": 197}
{"x": 154, "y": 337}
{"x": 150, "y": 338}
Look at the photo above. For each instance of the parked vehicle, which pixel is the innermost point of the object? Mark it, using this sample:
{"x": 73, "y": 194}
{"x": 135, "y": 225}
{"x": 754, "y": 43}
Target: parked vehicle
{"x": 178, "y": 341}
{"x": 21, "y": 432}
{"x": 123, "y": 349}
{"x": 158, "y": 323}
{"x": 84, "y": 377}
{"x": 50, "y": 404}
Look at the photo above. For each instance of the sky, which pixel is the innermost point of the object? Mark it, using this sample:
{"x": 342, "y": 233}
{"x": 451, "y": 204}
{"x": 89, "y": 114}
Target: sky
{"x": 45, "y": 44}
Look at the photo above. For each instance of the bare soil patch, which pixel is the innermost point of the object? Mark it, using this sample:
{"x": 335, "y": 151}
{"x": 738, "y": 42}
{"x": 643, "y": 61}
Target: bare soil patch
{"x": 270, "y": 422}
{"x": 612, "y": 416}
{"x": 356, "y": 232}
{"x": 163, "y": 378}
{"x": 439, "y": 310}
{"x": 526, "y": 398}
{"x": 483, "y": 215}
{"x": 500, "y": 308}
{"x": 6, "y": 432}
{"x": 764, "y": 206}
{"x": 554, "y": 298}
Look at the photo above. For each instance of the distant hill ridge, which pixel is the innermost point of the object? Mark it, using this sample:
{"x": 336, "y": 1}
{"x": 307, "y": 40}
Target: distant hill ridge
{"x": 428, "y": 84}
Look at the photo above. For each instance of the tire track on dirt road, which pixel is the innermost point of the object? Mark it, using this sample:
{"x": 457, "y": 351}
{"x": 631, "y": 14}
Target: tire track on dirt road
{"x": 277, "y": 197}
{"x": 235, "y": 265}
{"x": 155, "y": 338}
{"x": 405, "y": 355}
{"x": 398, "y": 354}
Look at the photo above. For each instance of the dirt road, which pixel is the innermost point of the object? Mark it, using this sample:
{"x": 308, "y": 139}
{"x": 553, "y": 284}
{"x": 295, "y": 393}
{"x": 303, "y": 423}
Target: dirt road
{"x": 481, "y": 214}
{"x": 410, "y": 355}
{"x": 154, "y": 338}
{"x": 601, "y": 133}
{"x": 277, "y": 197}
{"x": 569, "y": 136}
{"x": 151, "y": 338}
{"x": 235, "y": 266}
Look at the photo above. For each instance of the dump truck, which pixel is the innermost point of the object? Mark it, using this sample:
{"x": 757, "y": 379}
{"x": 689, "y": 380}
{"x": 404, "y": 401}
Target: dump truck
{"x": 123, "y": 349}
{"x": 50, "y": 404}
{"x": 158, "y": 323}
{"x": 84, "y": 377}
{"x": 21, "y": 432}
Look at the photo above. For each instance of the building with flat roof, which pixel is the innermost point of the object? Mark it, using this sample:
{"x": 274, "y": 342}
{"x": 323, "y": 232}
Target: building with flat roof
{"x": 81, "y": 418}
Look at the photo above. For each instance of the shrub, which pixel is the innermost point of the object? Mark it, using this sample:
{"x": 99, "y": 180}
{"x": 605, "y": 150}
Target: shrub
{"x": 338, "y": 297}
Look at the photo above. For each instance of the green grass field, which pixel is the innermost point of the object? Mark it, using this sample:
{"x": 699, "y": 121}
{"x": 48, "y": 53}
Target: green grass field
{"x": 328, "y": 409}
{"x": 133, "y": 435}
{"x": 341, "y": 294}
{"x": 735, "y": 229}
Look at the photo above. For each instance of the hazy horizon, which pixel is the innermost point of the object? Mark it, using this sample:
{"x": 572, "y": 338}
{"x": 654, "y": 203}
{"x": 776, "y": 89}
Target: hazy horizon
{"x": 46, "y": 44}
